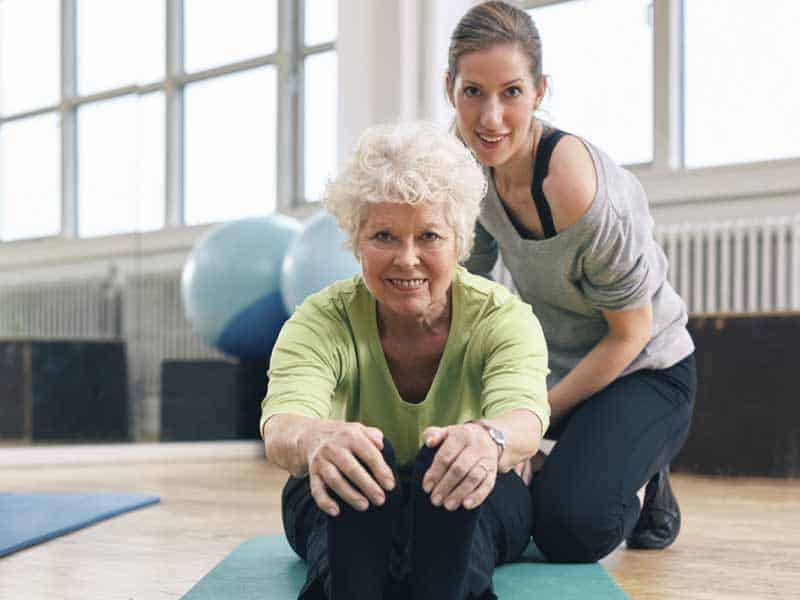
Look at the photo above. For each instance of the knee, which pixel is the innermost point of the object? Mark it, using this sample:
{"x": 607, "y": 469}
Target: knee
{"x": 425, "y": 457}
{"x": 388, "y": 453}
{"x": 567, "y": 534}
{"x": 422, "y": 463}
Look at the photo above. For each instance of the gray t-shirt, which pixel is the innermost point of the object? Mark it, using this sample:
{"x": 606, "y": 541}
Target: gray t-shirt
{"x": 608, "y": 259}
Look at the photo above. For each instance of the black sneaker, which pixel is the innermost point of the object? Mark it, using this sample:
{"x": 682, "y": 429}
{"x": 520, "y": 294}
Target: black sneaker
{"x": 660, "y": 519}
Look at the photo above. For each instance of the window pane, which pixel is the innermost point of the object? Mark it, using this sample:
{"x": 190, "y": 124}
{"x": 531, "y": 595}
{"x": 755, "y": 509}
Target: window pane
{"x": 321, "y": 21}
{"x": 216, "y": 35}
{"x": 601, "y": 84}
{"x": 119, "y": 43}
{"x": 29, "y": 55}
{"x": 741, "y": 94}
{"x": 230, "y": 146}
{"x": 320, "y": 122}
{"x": 30, "y": 178}
{"x": 121, "y": 165}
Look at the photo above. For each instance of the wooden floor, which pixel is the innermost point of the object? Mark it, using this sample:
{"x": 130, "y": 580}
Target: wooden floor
{"x": 740, "y": 538}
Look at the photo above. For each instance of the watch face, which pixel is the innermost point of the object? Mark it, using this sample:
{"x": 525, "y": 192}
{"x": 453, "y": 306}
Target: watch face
{"x": 498, "y": 436}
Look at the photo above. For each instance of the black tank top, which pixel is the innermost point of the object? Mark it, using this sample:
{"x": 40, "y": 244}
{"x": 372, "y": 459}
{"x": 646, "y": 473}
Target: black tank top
{"x": 544, "y": 151}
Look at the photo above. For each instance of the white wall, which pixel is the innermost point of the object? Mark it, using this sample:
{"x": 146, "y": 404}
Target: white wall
{"x": 393, "y": 56}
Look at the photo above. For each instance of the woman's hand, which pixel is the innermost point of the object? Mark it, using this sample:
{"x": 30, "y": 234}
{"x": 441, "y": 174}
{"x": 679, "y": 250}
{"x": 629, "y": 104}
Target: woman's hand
{"x": 464, "y": 470}
{"x": 346, "y": 458}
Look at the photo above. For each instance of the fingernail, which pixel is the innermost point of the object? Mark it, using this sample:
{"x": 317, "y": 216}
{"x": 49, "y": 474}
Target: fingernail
{"x": 388, "y": 484}
{"x": 469, "y": 503}
{"x": 333, "y": 512}
{"x": 379, "y": 500}
{"x": 427, "y": 487}
{"x": 436, "y": 500}
{"x": 450, "y": 505}
{"x": 363, "y": 505}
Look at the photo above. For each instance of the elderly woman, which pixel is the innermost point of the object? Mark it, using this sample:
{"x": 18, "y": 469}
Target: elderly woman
{"x": 400, "y": 400}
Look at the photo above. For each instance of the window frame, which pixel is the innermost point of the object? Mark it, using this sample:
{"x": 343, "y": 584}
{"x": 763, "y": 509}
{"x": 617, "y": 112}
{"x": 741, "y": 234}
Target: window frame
{"x": 303, "y": 52}
{"x": 288, "y": 59}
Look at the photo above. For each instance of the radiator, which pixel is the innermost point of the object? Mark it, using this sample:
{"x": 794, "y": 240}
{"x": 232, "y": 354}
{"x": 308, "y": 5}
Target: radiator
{"x": 155, "y": 329}
{"x": 144, "y": 310}
{"x": 745, "y": 265}
{"x": 87, "y": 308}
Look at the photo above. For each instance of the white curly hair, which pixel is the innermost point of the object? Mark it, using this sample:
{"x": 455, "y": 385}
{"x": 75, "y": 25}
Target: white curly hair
{"x": 410, "y": 163}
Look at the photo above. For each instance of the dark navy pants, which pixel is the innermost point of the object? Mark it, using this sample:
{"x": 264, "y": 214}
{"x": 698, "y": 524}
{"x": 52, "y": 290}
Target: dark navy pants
{"x": 407, "y": 548}
{"x": 584, "y": 498}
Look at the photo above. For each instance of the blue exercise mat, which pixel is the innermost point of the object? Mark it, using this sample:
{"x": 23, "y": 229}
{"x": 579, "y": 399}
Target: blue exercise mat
{"x": 266, "y": 567}
{"x": 28, "y": 519}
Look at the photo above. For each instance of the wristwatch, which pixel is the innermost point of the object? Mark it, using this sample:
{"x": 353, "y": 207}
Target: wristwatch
{"x": 498, "y": 437}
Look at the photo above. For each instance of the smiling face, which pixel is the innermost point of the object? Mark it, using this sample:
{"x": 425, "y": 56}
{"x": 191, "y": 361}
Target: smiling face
{"x": 408, "y": 254}
{"x": 494, "y": 96}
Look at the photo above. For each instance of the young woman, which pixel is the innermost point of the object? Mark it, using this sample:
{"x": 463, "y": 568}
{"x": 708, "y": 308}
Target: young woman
{"x": 575, "y": 232}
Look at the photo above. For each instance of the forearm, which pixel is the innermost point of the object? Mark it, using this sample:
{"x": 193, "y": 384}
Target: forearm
{"x": 602, "y": 365}
{"x": 523, "y": 431}
{"x": 286, "y": 441}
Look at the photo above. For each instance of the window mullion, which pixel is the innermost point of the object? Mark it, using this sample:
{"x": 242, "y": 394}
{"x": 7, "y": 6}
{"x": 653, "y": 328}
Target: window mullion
{"x": 174, "y": 156}
{"x": 668, "y": 85}
{"x": 68, "y": 114}
{"x": 289, "y": 156}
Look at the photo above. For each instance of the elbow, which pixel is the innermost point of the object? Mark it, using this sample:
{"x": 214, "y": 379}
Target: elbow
{"x": 639, "y": 338}
{"x": 631, "y": 328}
{"x": 632, "y": 342}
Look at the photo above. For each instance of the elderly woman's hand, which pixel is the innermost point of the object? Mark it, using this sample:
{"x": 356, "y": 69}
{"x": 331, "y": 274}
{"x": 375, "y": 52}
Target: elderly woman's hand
{"x": 346, "y": 458}
{"x": 464, "y": 470}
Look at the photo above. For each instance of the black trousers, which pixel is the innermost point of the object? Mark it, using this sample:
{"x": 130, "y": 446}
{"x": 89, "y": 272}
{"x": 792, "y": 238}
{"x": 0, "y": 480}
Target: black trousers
{"x": 407, "y": 548}
{"x": 584, "y": 498}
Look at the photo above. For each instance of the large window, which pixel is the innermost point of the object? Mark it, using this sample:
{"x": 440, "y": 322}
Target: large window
{"x": 598, "y": 57}
{"x": 230, "y": 146}
{"x": 30, "y": 152}
{"x": 119, "y": 43}
{"x": 674, "y": 83}
{"x": 120, "y": 127}
{"x": 121, "y": 165}
{"x": 742, "y": 92}
{"x": 29, "y": 178}
{"x": 134, "y": 115}
{"x": 320, "y": 106}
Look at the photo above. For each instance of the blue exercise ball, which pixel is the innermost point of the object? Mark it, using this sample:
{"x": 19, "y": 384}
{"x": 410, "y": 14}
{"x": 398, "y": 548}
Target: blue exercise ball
{"x": 231, "y": 285}
{"x": 315, "y": 259}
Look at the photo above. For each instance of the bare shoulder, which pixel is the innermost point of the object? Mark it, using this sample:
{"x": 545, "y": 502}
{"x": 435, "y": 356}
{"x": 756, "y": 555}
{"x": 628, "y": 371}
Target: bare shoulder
{"x": 571, "y": 182}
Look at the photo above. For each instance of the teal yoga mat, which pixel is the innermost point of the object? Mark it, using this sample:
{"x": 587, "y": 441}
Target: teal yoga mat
{"x": 266, "y": 567}
{"x": 28, "y": 519}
